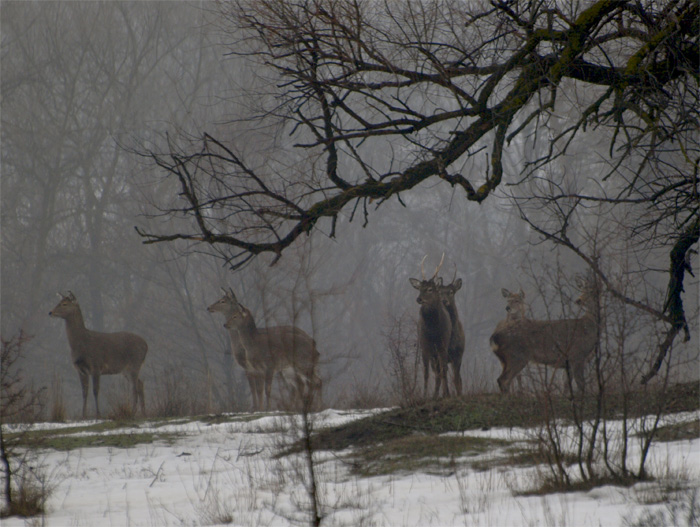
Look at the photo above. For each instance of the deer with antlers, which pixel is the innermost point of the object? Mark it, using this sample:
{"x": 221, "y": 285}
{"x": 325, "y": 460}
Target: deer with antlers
{"x": 434, "y": 329}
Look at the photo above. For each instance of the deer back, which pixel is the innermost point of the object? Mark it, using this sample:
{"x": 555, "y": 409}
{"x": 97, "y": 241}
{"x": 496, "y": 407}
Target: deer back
{"x": 276, "y": 347}
{"x": 290, "y": 347}
{"x": 98, "y": 352}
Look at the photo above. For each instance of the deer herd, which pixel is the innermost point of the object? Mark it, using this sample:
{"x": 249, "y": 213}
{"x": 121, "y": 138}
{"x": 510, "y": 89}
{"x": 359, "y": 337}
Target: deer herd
{"x": 290, "y": 353}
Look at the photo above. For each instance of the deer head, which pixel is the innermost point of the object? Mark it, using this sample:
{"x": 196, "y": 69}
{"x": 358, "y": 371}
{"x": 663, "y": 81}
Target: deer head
{"x": 515, "y": 304}
{"x": 66, "y": 306}
{"x": 429, "y": 290}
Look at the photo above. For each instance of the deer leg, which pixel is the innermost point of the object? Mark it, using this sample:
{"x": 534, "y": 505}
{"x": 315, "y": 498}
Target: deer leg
{"x": 96, "y": 392}
{"x": 577, "y": 371}
{"x": 269, "y": 377}
{"x": 442, "y": 363}
{"x": 457, "y": 375}
{"x": 141, "y": 396}
{"x": 426, "y": 374}
{"x": 134, "y": 380}
{"x": 253, "y": 384}
{"x": 435, "y": 366}
{"x": 510, "y": 370}
{"x": 84, "y": 380}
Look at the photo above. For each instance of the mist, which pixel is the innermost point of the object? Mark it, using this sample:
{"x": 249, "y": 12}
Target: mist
{"x": 89, "y": 88}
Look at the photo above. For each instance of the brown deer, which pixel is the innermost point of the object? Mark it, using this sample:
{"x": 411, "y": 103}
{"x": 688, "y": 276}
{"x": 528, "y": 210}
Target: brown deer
{"x": 515, "y": 307}
{"x": 94, "y": 353}
{"x": 456, "y": 347}
{"x": 563, "y": 343}
{"x": 284, "y": 349}
{"x": 226, "y": 305}
{"x": 434, "y": 329}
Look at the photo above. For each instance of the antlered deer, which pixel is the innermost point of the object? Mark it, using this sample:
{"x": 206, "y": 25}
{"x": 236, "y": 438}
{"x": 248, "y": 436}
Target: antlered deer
{"x": 226, "y": 305}
{"x": 434, "y": 329}
{"x": 94, "y": 353}
{"x": 559, "y": 343}
{"x": 284, "y": 349}
{"x": 456, "y": 348}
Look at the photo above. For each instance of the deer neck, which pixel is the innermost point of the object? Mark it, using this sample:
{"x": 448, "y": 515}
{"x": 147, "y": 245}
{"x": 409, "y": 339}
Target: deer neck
{"x": 452, "y": 311}
{"x": 75, "y": 328}
{"x": 432, "y": 311}
{"x": 247, "y": 332}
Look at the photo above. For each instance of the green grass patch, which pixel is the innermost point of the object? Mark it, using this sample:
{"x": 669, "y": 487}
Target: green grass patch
{"x": 419, "y": 452}
{"x": 99, "y": 434}
{"x": 483, "y": 411}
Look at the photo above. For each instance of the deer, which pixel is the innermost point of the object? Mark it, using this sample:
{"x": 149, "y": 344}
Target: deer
{"x": 226, "y": 305}
{"x": 456, "y": 347}
{"x": 434, "y": 329}
{"x": 565, "y": 343}
{"x": 284, "y": 349}
{"x": 515, "y": 307}
{"x": 94, "y": 353}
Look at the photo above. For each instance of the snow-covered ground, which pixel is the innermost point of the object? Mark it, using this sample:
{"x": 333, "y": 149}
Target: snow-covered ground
{"x": 229, "y": 473}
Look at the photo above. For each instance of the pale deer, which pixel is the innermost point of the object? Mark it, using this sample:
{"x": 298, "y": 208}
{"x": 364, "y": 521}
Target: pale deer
{"x": 456, "y": 347}
{"x": 284, "y": 349}
{"x": 94, "y": 353}
{"x": 560, "y": 343}
{"x": 226, "y": 306}
{"x": 515, "y": 310}
{"x": 434, "y": 329}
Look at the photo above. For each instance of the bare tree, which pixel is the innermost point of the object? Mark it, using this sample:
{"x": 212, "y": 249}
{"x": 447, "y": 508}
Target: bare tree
{"x": 20, "y": 403}
{"x": 431, "y": 84}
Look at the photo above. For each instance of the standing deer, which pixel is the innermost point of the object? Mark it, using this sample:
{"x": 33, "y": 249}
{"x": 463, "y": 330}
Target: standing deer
{"x": 434, "y": 329}
{"x": 563, "y": 343}
{"x": 284, "y": 349}
{"x": 226, "y": 305}
{"x": 456, "y": 347}
{"x": 94, "y": 353}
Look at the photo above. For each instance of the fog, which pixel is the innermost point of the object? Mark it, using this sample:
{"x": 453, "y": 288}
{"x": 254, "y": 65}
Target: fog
{"x": 88, "y": 87}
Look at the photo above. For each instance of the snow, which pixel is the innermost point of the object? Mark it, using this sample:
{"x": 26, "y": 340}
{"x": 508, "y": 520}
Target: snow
{"x": 229, "y": 473}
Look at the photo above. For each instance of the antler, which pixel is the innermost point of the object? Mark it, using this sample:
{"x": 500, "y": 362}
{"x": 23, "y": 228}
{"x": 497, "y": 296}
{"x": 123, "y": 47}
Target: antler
{"x": 422, "y": 271}
{"x": 437, "y": 270}
{"x": 230, "y": 291}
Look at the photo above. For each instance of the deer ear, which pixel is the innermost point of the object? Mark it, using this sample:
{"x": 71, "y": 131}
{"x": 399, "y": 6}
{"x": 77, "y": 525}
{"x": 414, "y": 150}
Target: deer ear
{"x": 457, "y": 284}
{"x": 521, "y": 293}
{"x": 505, "y": 292}
{"x": 415, "y": 282}
{"x": 438, "y": 281}
{"x": 71, "y": 296}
